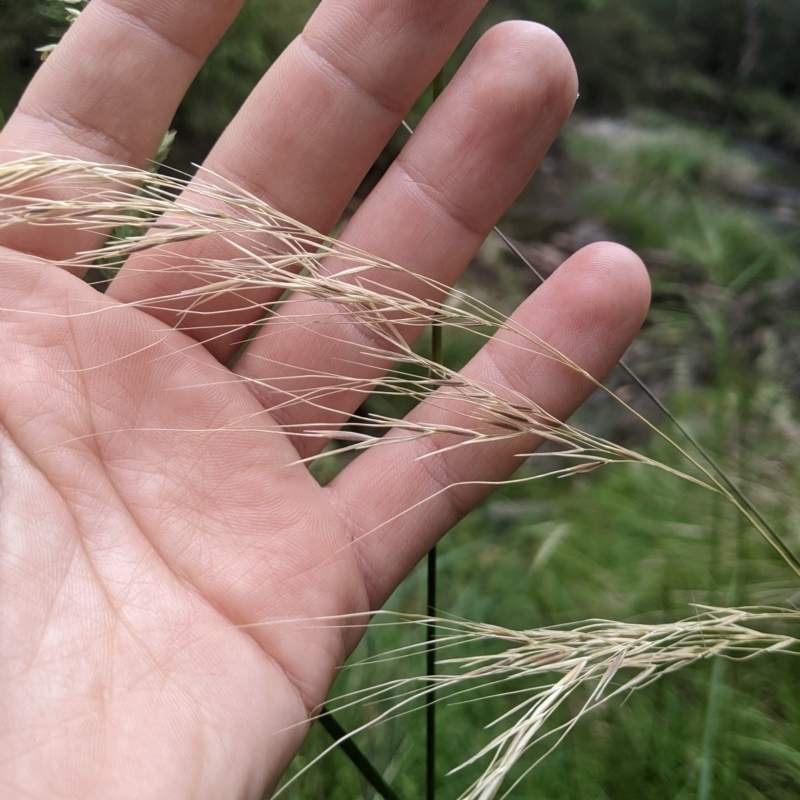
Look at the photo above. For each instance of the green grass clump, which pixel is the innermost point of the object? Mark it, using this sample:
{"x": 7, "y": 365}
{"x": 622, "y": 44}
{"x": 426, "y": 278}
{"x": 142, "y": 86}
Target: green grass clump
{"x": 672, "y": 187}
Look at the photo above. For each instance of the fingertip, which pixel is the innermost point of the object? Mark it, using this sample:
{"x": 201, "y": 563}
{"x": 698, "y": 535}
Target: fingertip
{"x": 494, "y": 123}
{"x": 531, "y": 48}
{"x": 592, "y": 307}
{"x": 623, "y": 281}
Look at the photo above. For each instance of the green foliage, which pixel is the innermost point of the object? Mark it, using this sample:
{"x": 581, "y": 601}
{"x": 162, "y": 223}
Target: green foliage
{"x": 257, "y": 37}
{"x": 771, "y": 117}
{"x": 669, "y": 186}
{"x": 23, "y": 28}
{"x": 621, "y": 544}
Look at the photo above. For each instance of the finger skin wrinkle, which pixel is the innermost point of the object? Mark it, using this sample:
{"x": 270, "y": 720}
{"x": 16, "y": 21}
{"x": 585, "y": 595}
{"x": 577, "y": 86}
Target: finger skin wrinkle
{"x": 36, "y": 249}
{"x": 370, "y": 42}
{"x": 436, "y": 466}
{"x": 361, "y": 341}
{"x": 130, "y": 19}
{"x": 432, "y": 197}
{"x": 339, "y": 74}
{"x": 367, "y": 571}
{"x": 99, "y": 96}
{"x": 449, "y": 504}
{"x": 91, "y": 138}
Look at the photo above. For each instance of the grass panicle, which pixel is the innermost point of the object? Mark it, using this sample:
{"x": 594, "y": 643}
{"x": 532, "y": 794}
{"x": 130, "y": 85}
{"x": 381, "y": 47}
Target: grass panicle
{"x": 263, "y": 249}
{"x": 269, "y": 250}
{"x": 589, "y": 663}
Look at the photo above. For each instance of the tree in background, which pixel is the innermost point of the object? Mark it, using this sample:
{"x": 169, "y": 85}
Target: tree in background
{"x": 731, "y": 62}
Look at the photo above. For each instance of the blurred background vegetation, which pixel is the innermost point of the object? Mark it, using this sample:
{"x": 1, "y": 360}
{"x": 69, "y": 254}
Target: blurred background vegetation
{"x": 720, "y": 62}
{"x": 685, "y": 146}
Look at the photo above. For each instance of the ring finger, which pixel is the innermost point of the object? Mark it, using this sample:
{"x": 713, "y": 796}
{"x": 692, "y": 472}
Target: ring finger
{"x": 463, "y": 167}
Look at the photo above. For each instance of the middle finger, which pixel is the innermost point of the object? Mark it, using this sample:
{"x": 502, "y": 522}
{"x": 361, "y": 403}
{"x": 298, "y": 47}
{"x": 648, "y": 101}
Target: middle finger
{"x": 466, "y": 163}
{"x": 307, "y": 136}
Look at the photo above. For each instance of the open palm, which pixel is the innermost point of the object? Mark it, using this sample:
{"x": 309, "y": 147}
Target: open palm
{"x": 145, "y": 523}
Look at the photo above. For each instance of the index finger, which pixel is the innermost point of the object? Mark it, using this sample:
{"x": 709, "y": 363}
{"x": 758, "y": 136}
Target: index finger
{"x": 108, "y": 92}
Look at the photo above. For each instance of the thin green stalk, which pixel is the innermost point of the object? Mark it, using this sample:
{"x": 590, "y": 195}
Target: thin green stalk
{"x": 430, "y": 669}
{"x": 430, "y": 655}
{"x": 430, "y": 632}
{"x": 713, "y": 712}
{"x": 353, "y": 752}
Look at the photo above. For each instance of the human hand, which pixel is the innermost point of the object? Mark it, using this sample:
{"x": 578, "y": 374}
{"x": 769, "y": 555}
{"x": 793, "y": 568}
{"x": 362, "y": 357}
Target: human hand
{"x": 135, "y": 556}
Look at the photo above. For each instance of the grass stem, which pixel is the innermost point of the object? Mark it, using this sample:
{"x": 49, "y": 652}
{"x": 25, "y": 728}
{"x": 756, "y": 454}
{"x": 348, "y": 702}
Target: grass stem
{"x": 430, "y": 636}
{"x": 353, "y": 752}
